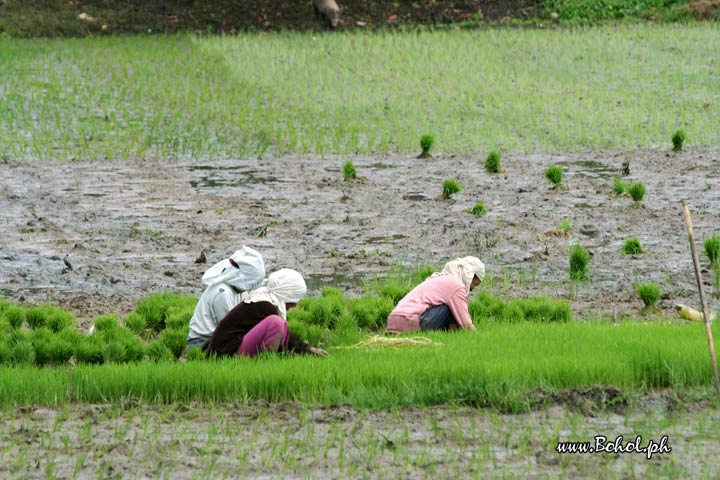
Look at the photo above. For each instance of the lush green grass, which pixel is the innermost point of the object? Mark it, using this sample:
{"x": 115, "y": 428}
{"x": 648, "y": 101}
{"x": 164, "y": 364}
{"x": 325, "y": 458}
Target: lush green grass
{"x": 496, "y": 367}
{"x": 527, "y": 90}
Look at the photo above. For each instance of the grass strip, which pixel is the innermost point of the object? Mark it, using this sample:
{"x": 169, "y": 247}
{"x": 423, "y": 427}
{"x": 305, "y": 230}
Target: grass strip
{"x": 183, "y": 96}
{"x": 498, "y": 367}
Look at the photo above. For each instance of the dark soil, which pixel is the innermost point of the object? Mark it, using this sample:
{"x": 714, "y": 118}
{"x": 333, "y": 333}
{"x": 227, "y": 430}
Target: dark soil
{"x": 61, "y": 17}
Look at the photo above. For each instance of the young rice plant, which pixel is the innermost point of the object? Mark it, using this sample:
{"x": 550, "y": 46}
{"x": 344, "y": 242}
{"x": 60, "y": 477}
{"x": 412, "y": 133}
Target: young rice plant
{"x": 349, "y": 171}
{"x": 579, "y": 260}
{"x": 492, "y": 162}
{"x": 450, "y": 187}
{"x": 554, "y": 173}
{"x": 478, "y": 209}
{"x": 637, "y": 192}
{"x": 678, "y": 139}
{"x": 712, "y": 250}
{"x": 426, "y": 143}
{"x": 649, "y": 293}
{"x": 631, "y": 246}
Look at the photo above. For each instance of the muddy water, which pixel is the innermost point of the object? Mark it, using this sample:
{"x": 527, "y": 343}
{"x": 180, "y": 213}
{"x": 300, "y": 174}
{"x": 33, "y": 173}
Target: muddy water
{"x": 96, "y": 237}
{"x": 291, "y": 441}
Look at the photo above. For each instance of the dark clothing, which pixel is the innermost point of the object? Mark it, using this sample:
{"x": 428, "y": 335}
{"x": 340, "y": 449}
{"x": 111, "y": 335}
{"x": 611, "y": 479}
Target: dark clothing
{"x": 238, "y": 322}
{"x": 438, "y": 317}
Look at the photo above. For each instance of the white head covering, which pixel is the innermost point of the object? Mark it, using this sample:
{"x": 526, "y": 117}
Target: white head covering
{"x": 281, "y": 287}
{"x": 244, "y": 269}
{"x": 465, "y": 269}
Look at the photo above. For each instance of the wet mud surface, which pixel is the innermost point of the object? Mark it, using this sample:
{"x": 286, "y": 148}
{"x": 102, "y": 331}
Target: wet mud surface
{"x": 95, "y": 237}
{"x": 291, "y": 441}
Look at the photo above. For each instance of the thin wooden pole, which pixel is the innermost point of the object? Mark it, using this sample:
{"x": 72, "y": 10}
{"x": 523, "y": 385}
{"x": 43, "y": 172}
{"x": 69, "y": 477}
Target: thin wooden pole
{"x": 698, "y": 277}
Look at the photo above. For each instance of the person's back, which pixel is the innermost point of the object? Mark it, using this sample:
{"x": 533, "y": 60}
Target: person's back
{"x": 441, "y": 301}
{"x": 215, "y": 302}
{"x": 225, "y": 281}
{"x": 443, "y": 289}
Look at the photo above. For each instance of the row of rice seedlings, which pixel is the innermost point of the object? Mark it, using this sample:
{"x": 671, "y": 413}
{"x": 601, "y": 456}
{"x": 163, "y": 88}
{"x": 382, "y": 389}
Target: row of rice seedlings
{"x": 498, "y": 368}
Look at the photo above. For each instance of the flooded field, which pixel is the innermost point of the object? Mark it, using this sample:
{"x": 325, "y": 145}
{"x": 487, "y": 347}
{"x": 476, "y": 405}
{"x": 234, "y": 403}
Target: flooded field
{"x": 95, "y": 237}
{"x": 291, "y": 441}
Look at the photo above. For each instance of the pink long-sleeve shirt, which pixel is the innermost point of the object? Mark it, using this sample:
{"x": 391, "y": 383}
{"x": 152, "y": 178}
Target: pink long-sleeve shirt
{"x": 443, "y": 289}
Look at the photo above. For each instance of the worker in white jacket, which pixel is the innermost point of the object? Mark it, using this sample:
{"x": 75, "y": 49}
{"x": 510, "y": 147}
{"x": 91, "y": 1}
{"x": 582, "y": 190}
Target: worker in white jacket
{"x": 226, "y": 280}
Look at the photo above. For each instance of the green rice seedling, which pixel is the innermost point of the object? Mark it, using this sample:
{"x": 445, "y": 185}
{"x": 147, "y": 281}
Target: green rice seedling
{"x": 114, "y": 352}
{"x": 5, "y": 353}
{"x": 195, "y": 354}
{"x": 579, "y": 260}
{"x": 620, "y": 187}
{"x": 178, "y": 318}
{"x": 154, "y": 308}
{"x": 492, "y": 162}
{"x": 712, "y": 250}
{"x": 175, "y": 341}
{"x": 426, "y": 143}
{"x": 565, "y": 226}
{"x": 157, "y": 351}
{"x": 134, "y": 347}
{"x": 478, "y": 209}
{"x": 349, "y": 171}
{"x": 50, "y": 316}
{"x": 512, "y": 312}
{"x": 315, "y": 334}
{"x": 5, "y": 327}
{"x": 42, "y": 340}
{"x": 70, "y": 335}
{"x": 297, "y": 328}
{"x": 15, "y": 316}
{"x": 135, "y": 322}
{"x": 649, "y": 293}
{"x": 60, "y": 351}
{"x": 90, "y": 350}
{"x": 23, "y": 353}
{"x": 325, "y": 310}
{"x": 554, "y": 173}
{"x": 678, "y": 138}
{"x": 105, "y": 322}
{"x": 450, "y": 187}
{"x": 637, "y": 192}
{"x": 631, "y": 246}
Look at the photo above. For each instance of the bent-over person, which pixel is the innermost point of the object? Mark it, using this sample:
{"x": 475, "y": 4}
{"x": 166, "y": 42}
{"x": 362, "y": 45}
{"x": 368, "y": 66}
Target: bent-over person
{"x": 440, "y": 302}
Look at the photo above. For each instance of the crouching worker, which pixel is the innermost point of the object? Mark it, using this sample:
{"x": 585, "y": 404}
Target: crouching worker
{"x": 226, "y": 281}
{"x": 441, "y": 301}
{"x": 259, "y": 322}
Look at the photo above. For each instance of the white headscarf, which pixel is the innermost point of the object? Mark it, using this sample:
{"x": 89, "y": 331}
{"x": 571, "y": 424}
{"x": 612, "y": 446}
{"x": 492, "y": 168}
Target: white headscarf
{"x": 281, "y": 287}
{"x": 244, "y": 270}
{"x": 465, "y": 269}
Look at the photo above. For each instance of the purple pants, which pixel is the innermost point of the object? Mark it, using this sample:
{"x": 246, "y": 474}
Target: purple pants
{"x": 269, "y": 334}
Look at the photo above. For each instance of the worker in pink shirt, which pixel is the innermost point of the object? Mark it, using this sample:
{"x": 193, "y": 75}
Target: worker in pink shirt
{"x": 441, "y": 301}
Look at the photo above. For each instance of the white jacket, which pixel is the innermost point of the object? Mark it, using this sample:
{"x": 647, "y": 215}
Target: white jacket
{"x": 215, "y": 302}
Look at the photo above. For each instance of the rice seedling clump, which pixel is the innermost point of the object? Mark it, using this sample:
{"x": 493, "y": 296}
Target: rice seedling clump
{"x": 450, "y": 187}
{"x": 712, "y": 250}
{"x": 554, "y": 173}
{"x": 426, "y": 143}
{"x": 631, "y": 246}
{"x": 478, "y": 209}
{"x": 579, "y": 260}
{"x": 637, "y": 192}
{"x": 620, "y": 187}
{"x": 349, "y": 171}
{"x": 649, "y": 293}
{"x": 492, "y": 162}
{"x": 678, "y": 139}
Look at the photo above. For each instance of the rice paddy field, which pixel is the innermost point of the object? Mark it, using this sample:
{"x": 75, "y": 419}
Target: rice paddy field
{"x": 130, "y": 164}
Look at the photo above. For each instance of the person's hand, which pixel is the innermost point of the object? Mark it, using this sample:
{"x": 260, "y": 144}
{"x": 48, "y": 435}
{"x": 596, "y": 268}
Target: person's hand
{"x": 318, "y": 351}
